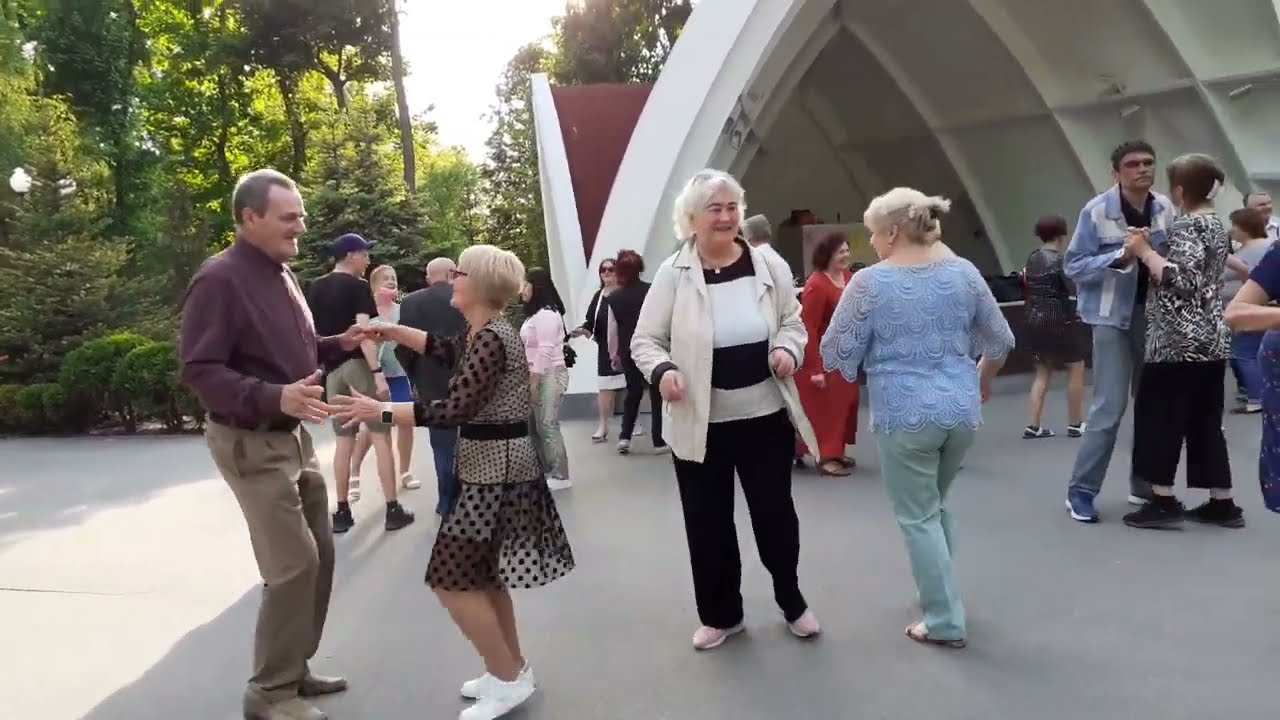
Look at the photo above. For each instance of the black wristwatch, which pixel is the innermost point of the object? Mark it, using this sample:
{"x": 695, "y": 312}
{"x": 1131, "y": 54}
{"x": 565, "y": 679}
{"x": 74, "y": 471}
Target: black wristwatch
{"x": 388, "y": 417}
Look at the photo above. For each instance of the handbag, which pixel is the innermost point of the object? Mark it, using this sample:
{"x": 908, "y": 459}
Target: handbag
{"x": 570, "y": 355}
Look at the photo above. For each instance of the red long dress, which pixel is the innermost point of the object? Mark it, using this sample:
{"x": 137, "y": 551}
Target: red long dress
{"x": 833, "y": 410}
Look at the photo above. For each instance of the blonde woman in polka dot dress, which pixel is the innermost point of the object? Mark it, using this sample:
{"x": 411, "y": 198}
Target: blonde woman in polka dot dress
{"x": 504, "y": 532}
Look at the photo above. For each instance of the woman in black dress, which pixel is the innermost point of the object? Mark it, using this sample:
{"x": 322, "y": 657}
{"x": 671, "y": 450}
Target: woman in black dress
{"x": 1054, "y": 334}
{"x": 595, "y": 326}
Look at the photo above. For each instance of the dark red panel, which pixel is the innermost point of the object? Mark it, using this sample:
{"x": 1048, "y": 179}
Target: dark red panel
{"x": 596, "y": 122}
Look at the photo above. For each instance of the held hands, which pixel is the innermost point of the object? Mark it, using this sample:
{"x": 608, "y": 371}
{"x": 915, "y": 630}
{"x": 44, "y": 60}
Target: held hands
{"x": 351, "y": 339}
{"x": 355, "y": 409}
{"x": 302, "y": 400}
{"x": 672, "y": 386}
{"x": 781, "y": 362}
{"x": 1138, "y": 243}
{"x": 382, "y": 391}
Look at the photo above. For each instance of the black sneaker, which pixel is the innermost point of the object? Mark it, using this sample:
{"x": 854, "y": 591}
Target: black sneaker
{"x": 398, "y": 517}
{"x": 1033, "y": 432}
{"x": 1075, "y": 431}
{"x": 343, "y": 520}
{"x": 1223, "y": 513}
{"x": 1158, "y": 514}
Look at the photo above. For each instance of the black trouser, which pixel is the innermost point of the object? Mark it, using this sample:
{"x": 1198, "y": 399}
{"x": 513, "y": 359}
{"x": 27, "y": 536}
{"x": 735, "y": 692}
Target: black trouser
{"x": 1177, "y": 402}
{"x": 636, "y": 385}
{"x": 760, "y": 450}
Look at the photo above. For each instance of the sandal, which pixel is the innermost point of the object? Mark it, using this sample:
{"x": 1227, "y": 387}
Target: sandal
{"x": 600, "y": 437}
{"x": 920, "y": 634}
{"x": 353, "y": 489}
{"x": 847, "y": 462}
{"x": 833, "y": 468}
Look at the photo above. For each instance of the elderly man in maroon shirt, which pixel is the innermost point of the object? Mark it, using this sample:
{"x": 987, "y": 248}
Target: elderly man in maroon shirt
{"x": 250, "y": 353}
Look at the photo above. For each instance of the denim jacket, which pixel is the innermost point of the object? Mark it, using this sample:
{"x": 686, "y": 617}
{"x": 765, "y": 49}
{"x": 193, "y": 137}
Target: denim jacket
{"x": 1104, "y": 295}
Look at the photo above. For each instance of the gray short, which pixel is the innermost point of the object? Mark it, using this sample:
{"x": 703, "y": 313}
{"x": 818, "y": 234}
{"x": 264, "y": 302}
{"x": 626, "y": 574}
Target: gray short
{"x": 353, "y": 374}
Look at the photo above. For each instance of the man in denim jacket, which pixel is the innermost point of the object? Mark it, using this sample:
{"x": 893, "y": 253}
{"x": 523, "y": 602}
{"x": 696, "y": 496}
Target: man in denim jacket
{"x": 1111, "y": 293}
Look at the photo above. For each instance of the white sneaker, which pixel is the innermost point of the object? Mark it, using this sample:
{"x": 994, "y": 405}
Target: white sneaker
{"x": 353, "y": 490}
{"x": 624, "y": 447}
{"x": 486, "y": 684}
{"x": 502, "y": 698}
{"x": 556, "y": 483}
{"x": 409, "y": 482}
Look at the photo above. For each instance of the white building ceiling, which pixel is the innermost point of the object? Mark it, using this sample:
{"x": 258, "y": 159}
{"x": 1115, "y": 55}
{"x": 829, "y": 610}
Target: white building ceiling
{"x": 1010, "y": 106}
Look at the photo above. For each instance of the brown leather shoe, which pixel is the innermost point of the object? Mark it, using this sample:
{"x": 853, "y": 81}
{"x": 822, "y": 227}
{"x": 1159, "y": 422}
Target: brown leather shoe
{"x": 291, "y": 709}
{"x": 316, "y": 685}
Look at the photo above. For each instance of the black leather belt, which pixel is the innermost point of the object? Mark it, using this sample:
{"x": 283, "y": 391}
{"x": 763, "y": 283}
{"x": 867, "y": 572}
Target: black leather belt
{"x": 276, "y": 425}
{"x": 493, "y": 431}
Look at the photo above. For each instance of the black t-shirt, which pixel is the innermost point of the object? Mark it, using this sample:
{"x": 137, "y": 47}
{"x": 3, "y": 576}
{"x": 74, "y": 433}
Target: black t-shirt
{"x": 335, "y": 300}
{"x": 626, "y": 302}
{"x": 1134, "y": 217}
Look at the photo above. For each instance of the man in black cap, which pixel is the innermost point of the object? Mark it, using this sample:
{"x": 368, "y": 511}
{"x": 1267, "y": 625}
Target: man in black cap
{"x": 340, "y": 299}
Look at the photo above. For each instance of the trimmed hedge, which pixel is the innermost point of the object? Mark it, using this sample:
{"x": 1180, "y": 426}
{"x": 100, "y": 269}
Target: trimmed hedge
{"x": 86, "y": 377}
{"x": 148, "y": 376}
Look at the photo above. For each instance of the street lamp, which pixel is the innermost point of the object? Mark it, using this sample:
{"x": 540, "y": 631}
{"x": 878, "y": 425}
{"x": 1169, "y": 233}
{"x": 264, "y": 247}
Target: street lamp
{"x": 21, "y": 182}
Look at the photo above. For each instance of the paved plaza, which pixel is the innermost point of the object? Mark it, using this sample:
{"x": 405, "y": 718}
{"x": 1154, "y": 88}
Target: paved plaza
{"x": 128, "y": 592}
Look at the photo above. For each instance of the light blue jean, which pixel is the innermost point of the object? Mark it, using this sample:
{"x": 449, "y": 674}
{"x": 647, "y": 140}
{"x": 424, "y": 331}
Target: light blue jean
{"x": 1117, "y": 365}
{"x": 919, "y": 468}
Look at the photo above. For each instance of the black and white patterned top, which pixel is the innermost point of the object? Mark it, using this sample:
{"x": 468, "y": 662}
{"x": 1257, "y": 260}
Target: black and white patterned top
{"x": 1184, "y": 320}
{"x": 742, "y": 384}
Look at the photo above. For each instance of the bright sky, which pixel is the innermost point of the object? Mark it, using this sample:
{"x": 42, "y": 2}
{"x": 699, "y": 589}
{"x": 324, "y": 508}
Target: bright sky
{"x": 456, "y": 50}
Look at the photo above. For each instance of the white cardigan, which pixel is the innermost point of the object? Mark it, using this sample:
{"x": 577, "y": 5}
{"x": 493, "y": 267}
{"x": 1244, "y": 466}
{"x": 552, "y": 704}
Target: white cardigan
{"x": 683, "y": 338}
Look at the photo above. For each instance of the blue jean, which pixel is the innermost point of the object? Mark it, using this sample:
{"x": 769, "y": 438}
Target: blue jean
{"x": 919, "y": 469}
{"x": 444, "y": 450}
{"x": 1117, "y": 365}
{"x": 1244, "y": 358}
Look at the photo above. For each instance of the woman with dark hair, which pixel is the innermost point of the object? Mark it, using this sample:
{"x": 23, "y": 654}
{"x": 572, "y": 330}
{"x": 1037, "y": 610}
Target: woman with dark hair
{"x": 830, "y": 401}
{"x": 623, "y": 310}
{"x": 1054, "y": 334}
{"x": 1249, "y": 231}
{"x": 543, "y": 335}
{"x": 1180, "y": 394}
{"x": 596, "y": 327}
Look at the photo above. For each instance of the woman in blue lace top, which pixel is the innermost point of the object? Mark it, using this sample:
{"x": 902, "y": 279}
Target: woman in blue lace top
{"x": 916, "y": 321}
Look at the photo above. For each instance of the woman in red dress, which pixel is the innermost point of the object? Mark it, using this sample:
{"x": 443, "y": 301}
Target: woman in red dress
{"x": 830, "y": 401}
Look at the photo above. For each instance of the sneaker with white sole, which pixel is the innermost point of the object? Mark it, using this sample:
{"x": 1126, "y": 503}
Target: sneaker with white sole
{"x": 806, "y": 626}
{"x": 502, "y": 698}
{"x": 624, "y": 447}
{"x": 486, "y": 683}
{"x": 708, "y": 638}
{"x": 409, "y": 482}
{"x": 353, "y": 489}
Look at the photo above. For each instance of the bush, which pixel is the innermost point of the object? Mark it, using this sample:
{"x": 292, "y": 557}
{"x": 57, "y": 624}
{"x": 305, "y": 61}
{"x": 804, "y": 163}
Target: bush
{"x": 148, "y": 375}
{"x": 55, "y": 406}
{"x": 31, "y": 415}
{"x": 86, "y": 376}
{"x": 10, "y": 408}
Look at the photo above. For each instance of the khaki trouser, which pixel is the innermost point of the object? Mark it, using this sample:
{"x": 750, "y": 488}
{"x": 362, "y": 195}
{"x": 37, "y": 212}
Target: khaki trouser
{"x": 282, "y": 494}
{"x": 354, "y": 374}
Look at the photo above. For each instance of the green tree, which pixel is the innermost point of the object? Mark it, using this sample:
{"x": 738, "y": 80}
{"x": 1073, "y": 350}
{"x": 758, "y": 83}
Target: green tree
{"x": 513, "y": 194}
{"x": 615, "y": 41}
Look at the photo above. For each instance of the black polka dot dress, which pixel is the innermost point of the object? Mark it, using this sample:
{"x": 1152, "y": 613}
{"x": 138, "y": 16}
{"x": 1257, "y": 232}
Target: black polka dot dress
{"x": 504, "y": 532}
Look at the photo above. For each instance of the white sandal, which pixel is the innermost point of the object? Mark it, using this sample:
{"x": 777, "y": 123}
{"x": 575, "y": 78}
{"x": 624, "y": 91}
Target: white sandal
{"x": 353, "y": 489}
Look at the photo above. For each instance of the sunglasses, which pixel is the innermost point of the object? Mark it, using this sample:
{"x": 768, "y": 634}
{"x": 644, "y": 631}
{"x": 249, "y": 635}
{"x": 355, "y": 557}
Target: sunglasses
{"x": 606, "y": 269}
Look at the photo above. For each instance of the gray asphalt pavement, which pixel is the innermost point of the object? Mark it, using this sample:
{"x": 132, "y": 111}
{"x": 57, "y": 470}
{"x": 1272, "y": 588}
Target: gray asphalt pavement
{"x": 128, "y": 591}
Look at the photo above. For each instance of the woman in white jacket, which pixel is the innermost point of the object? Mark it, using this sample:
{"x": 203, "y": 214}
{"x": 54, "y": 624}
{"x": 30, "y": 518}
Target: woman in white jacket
{"x": 723, "y": 364}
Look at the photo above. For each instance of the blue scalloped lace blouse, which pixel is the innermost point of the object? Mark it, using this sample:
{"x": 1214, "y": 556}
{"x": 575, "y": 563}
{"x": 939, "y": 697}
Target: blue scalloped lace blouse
{"x": 917, "y": 331}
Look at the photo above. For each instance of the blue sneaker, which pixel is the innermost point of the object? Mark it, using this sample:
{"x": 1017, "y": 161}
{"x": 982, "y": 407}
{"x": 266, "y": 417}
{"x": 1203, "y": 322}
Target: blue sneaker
{"x": 1080, "y": 503}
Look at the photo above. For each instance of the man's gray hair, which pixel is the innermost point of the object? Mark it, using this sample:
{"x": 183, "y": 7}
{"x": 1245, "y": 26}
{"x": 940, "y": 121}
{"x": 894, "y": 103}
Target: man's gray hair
{"x": 757, "y": 229}
{"x": 253, "y": 191}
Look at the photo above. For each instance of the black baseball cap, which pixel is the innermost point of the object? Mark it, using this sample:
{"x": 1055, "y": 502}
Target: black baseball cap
{"x": 350, "y": 243}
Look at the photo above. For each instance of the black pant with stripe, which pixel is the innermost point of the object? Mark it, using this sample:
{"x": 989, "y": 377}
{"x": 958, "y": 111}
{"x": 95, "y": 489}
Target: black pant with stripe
{"x": 760, "y": 450}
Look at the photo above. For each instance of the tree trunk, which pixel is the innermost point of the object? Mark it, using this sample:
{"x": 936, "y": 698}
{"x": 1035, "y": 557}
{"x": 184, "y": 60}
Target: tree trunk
{"x": 402, "y": 103}
{"x": 287, "y": 83}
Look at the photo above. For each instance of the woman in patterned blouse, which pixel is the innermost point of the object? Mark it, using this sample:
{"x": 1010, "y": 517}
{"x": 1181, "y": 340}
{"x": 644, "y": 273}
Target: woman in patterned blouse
{"x": 1180, "y": 394}
{"x": 504, "y": 532}
{"x": 916, "y": 321}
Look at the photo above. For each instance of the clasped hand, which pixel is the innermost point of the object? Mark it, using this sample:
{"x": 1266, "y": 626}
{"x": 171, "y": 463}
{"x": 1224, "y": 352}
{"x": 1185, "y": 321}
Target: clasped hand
{"x": 1137, "y": 242}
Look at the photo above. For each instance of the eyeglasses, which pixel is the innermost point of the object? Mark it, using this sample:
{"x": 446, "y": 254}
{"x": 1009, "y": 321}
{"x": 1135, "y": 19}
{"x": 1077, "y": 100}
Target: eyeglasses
{"x": 606, "y": 269}
{"x": 455, "y": 274}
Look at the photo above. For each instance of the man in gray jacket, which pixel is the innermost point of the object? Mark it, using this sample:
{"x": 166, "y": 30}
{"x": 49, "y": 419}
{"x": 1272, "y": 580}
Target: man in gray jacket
{"x": 431, "y": 310}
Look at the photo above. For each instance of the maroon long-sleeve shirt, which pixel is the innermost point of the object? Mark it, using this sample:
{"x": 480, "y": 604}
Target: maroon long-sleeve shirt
{"x": 246, "y": 333}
